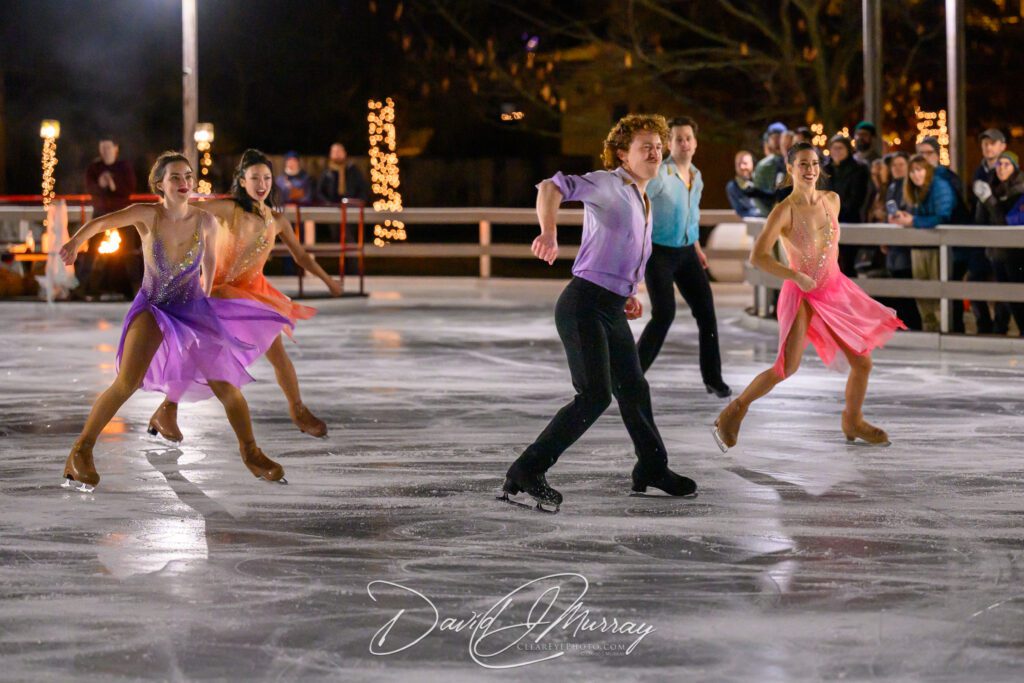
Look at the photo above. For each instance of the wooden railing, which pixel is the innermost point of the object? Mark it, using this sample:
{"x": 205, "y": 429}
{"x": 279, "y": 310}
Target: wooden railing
{"x": 484, "y": 249}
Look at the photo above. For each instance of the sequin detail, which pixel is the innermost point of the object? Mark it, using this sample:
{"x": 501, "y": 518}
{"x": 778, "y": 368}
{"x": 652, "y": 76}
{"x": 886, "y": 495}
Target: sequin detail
{"x": 241, "y": 261}
{"x": 172, "y": 282}
{"x": 810, "y": 254}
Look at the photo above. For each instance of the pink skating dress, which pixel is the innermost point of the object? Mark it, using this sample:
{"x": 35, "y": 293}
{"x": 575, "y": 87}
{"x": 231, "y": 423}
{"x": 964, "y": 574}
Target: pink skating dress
{"x": 839, "y": 305}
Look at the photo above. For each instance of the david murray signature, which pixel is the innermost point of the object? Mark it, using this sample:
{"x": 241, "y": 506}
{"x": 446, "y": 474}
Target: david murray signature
{"x": 491, "y": 638}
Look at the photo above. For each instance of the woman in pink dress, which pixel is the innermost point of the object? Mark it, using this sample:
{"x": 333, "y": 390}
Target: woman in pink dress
{"x": 817, "y": 305}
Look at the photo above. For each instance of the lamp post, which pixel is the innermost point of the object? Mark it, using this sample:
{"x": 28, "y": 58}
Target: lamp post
{"x": 49, "y": 131}
{"x": 203, "y": 137}
{"x": 189, "y": 76}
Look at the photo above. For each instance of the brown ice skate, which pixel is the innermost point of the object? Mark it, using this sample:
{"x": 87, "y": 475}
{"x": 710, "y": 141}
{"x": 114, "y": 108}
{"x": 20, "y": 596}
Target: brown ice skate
{"x": 727, "y": 426}
{"x": 861, "y": 429}
{"x": 165, "y": 423}
{"x": 260, "y": 465}
{"x": 79, "y": 470}
{"x": 307, "y": 422}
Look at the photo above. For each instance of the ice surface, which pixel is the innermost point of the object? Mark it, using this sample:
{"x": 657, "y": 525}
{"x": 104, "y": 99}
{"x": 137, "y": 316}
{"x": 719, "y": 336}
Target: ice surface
{"x": 801, "y": 559}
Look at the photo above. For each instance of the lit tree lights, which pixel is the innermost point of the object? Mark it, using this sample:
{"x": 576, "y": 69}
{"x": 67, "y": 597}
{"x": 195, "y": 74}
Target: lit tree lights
{"x": 49, "y": 131}
{"x": 384, "y": 170}
{"x": 933, "y": 124}
{"x": 203, "y": 136}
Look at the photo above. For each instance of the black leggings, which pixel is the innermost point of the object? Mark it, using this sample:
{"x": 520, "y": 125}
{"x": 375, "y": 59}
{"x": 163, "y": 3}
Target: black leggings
{"x": 603, "y": 362}
{"x": 681, "y": 267}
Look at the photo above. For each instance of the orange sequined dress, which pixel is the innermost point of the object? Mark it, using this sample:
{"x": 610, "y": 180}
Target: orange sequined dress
{"x": 240, "y": 261}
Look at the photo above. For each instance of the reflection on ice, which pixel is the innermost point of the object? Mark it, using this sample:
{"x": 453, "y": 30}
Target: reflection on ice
{"x": 800, "y": 559}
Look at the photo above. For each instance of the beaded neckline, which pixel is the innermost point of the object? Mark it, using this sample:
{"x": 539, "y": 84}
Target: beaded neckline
{"x": 189, "y": 256}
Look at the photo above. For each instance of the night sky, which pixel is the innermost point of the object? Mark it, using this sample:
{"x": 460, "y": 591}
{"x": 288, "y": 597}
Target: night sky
{"x": 272, "y": 75}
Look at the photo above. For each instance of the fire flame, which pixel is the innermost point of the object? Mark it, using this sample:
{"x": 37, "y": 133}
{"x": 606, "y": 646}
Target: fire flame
{"x": 111, "y": 242}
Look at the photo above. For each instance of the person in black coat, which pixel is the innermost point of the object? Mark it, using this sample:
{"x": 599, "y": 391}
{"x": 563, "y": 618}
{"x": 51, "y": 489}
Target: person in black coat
{"x": 343, "y": 180}
{"x": 851, "y": 180}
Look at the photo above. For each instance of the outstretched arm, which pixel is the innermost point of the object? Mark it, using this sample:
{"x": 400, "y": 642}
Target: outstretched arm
{"x": 761, "y": 256}
{"x": 131, "y": 215}
{"x": 549, "y": 198}
{"x": 210, "y": 226}
{"x": 220, "y": 208}
{"x": 302, "y": 257}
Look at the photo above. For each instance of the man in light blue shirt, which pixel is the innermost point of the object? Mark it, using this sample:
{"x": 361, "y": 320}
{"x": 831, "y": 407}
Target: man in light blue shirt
{"x": 677, "y": 259}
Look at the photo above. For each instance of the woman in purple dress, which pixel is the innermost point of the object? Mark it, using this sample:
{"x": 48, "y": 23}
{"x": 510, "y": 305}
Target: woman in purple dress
{"x": 176, "y": 340}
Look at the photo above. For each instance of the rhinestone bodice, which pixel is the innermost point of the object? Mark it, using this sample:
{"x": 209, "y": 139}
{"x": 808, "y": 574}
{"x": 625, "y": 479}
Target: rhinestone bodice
{"x": 241, "y": 257}
{"x": 166, "y": 282}
{"x": 811, "y": 249}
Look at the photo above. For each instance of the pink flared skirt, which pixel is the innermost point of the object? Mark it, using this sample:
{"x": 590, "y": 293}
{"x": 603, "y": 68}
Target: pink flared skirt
{"x": 842, "y": 311}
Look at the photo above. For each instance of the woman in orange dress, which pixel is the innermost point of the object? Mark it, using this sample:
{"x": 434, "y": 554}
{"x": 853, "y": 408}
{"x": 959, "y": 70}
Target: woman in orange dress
{"x": 242, "y": 251}
{"x": 817, "y": 305}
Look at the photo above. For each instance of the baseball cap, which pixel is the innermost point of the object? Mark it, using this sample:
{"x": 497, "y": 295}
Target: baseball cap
{"x": 993, "y": 134}
{"x": 777, "y": 127}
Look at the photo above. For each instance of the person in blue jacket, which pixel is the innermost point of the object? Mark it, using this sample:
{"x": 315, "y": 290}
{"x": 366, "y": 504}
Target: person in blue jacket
{"x": 930, "y": 201}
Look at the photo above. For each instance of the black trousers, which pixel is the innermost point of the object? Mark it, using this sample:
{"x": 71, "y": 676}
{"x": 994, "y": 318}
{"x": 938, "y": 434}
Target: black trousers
{"x": 906, "y": 309}
{"x": 603, "y": 363}
{"x": 975, "y": 266}
{"x": 680, "y": 266}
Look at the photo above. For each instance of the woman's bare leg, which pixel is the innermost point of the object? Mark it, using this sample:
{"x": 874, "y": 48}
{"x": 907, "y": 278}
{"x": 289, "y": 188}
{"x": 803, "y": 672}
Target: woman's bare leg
{"x": 140, "y": 344}
{"x": 854, "y": 425}
{"x": 238, "y": 415}
{"x": 289, "y": 383}
{"x": 728, "y": 423}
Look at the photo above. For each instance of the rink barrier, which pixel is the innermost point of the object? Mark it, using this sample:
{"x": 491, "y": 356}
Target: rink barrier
{"x": 943, "y": 237}
{"x": 28, "y": 209}
{"x": 484, "y": 250}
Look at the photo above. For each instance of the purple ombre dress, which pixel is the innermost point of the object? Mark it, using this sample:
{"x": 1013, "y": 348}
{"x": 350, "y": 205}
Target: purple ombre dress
{"x": 204, "y": 338}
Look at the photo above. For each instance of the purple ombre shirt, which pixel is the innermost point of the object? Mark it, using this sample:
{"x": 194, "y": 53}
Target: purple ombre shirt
{"x": 616, "y": 228}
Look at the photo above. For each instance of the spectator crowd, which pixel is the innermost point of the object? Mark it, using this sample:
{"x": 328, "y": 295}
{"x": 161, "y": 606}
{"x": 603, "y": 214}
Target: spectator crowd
{"x": 911, "y": 191}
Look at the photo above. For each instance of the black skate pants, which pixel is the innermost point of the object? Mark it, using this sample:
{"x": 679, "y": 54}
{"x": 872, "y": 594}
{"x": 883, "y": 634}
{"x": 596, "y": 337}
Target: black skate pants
{"x": 603, "y": 362}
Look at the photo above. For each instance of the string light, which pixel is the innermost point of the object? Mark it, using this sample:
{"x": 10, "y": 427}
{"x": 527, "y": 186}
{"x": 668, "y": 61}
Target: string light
{"x": 819, "y": 139}
{"x": 49, "y": 131}
{"x": 384, "y": 170}
{"x": 933, "y": 124}
{"x": 203, "y": 136}
{"x": 513, "y": 116}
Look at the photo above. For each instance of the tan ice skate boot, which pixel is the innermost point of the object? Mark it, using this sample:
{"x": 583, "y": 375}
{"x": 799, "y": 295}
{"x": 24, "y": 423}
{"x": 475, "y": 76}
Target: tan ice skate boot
{"x": 165, "y": 423}
{"x": 307, "y": 422}
{"x": 260, "y": 465}
{"x": 79, "y": 471}
{"x": 727, "y": 426}
{"x": 861, "y": 429}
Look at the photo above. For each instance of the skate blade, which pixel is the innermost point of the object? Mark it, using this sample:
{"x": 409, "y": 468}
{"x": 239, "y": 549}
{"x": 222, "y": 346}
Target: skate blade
{"x": 538, "y": 507}
{"x": 718, "y": 440}
{"x": 281, "y": 481}
{"x": 70, "y": 483}
{"x": 156, "y": 437}
{"x": 867, "y": 444}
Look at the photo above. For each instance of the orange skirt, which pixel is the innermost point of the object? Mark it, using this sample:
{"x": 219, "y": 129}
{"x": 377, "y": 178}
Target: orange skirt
{"x": 258, "y": 289}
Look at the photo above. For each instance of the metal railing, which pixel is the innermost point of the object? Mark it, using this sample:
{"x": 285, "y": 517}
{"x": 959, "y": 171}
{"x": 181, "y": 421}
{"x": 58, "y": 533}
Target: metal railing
{"x": 943, "y": 237}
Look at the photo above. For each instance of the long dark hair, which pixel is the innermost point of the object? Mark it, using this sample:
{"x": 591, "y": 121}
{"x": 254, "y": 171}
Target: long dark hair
{"x": 250, "y": 158}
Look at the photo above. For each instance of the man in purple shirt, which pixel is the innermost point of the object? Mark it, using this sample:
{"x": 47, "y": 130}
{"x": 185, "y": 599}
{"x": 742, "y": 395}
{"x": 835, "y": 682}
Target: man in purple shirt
{"x": 593, "y": 311}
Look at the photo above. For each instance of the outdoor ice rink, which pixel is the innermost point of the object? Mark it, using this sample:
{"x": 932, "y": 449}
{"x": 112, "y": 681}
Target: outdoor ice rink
{"x": 801, "y": 558}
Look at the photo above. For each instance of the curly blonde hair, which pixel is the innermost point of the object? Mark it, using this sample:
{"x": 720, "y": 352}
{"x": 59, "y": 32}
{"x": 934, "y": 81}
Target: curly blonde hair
{"x": 621, "y": 135}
